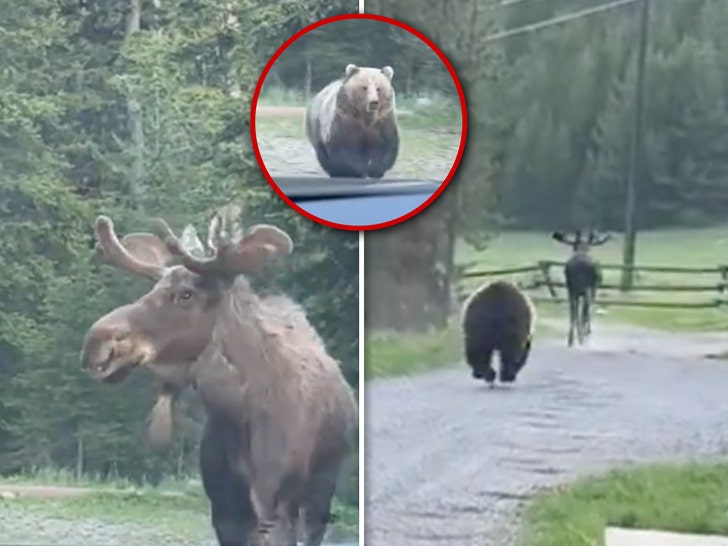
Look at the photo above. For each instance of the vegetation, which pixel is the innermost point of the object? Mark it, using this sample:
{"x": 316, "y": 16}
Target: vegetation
{"x": 548, "y": 143}
{"x": 699, "y": 247}
{"x": 427, "y": 101}
{"x": 634, "y": 498}
{"x": 132, "y": 110}
{"x": 172, "y": 512}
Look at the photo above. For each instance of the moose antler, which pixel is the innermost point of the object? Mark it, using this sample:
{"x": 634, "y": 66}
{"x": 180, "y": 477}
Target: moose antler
{"x": 247, "y": 255}
{"x": 126, "y": 255}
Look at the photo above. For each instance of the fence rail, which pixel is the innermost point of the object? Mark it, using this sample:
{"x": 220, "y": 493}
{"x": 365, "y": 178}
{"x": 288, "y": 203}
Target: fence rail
{"x": 545, "y": 279}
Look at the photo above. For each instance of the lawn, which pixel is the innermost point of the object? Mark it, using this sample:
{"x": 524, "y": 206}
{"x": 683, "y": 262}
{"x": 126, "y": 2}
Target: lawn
{"x": 691, "y": 498}
{"x": 391, "y": 353}
{"x": 670, "y": 247}
{"x": 428, "y": 145}
{"x": 174, "y": 512}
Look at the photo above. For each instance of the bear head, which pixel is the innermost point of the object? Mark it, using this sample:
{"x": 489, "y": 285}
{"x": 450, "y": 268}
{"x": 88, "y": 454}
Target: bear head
{"x": 369, "y": 90}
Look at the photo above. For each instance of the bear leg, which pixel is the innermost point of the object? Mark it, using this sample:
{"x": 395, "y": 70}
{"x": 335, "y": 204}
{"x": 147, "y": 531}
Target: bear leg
{"x": 345, "y": 162}
{"x": 508, "y": 364}
{"x": 479, "y": 360}
{"x": 383, "y": 155}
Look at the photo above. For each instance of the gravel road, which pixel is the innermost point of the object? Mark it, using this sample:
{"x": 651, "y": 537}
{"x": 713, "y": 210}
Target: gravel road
{"x": 284, "y": 154}
{"x": 450, "y": 461}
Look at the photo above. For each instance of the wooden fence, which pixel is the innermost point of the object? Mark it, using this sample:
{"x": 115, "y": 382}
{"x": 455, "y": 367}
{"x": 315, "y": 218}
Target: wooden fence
{"x": 542, "y": 276}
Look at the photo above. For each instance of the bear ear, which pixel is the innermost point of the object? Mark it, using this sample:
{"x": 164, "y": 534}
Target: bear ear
{"x": 388, "y": 71}
{"x": 351, "y": 69}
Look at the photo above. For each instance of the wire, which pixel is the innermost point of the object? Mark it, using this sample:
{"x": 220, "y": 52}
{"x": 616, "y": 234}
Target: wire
{"x": 505, "y": 4}
{"x": 558, "y": 20}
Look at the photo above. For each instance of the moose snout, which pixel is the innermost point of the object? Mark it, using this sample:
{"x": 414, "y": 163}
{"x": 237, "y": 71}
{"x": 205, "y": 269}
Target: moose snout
{"x": 101, "y": 345}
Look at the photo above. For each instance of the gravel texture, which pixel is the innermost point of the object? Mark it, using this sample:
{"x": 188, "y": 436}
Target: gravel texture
{"x": 423, "y": 154}
{"x": 450, "y": 462}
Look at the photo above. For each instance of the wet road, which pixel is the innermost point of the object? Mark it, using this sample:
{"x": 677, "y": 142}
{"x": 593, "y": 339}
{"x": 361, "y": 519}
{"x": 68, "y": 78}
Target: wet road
{"x": 450, "y": 461}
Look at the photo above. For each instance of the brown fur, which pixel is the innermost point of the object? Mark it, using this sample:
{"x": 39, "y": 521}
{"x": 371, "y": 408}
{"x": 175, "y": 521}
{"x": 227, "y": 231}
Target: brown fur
{"x": 281, "y": 416}
{"x": 352, "y": 124}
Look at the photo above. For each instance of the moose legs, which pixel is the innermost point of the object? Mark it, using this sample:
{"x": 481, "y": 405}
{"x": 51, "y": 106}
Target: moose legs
{"x": 233, "y": 517}
{"x": 277, "y": 515}
{"x": 316, "y": 509}
{"x": 573, "y": 317}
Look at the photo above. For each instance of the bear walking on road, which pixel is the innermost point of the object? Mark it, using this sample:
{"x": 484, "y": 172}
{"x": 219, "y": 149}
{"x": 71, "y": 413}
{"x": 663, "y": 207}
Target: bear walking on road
{"x": 498, "y": 317}
{"x": 352, "y": 124}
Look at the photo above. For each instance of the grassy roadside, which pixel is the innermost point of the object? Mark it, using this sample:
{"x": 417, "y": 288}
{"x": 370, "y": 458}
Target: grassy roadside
{"x": 429, "y": 139}
{"x": 689, "y": 498}
{"x": 174, "y": 512}
{"x": 391, "y": 354}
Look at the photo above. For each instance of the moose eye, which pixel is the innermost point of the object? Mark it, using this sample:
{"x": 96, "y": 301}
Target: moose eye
{"x": 185, "y": 295}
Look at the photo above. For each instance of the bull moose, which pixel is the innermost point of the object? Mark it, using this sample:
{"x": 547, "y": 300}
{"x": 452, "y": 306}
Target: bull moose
{"x": 582, "y": 279}
{"x": 280, "y": 415}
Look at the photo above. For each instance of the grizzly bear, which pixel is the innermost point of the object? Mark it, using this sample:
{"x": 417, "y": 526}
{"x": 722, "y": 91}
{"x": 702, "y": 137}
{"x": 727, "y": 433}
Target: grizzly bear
{"x": 498, "y": 317}
{"x": 352, "y": 125}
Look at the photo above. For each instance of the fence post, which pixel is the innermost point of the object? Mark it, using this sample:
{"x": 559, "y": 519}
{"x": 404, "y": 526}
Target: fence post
{"x": 723, "y": 282}
{"x": 545, "y": 268}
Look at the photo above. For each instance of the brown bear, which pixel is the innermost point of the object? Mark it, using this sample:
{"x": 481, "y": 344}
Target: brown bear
{"x": 352, "y": 124}
{"x": 498, "y": 317}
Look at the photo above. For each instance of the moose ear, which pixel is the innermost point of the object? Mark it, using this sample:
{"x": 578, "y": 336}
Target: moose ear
{"x": 262, "y": 243}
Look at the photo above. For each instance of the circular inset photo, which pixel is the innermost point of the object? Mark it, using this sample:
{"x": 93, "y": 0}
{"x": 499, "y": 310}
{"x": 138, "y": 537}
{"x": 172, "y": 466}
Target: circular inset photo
{"x": 358, "y": 122}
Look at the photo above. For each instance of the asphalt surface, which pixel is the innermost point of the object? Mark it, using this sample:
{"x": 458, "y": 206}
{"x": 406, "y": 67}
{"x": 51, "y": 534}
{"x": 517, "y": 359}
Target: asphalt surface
{"x": 450, "y": 462}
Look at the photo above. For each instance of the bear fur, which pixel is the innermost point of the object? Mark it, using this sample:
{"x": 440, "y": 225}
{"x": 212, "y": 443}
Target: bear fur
{"x": 498, "y": 317}
{"x": 352, "y": 125}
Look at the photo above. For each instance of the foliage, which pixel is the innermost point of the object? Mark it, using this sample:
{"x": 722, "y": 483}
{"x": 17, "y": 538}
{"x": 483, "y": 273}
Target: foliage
{"x": 77, "y": 81}
{"x": 632, "y": 498}
{"x": 550, "y": 124}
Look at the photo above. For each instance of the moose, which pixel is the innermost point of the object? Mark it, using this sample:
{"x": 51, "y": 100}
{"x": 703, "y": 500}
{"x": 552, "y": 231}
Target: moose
{"x": 582, "y": 278}
{"x": 280, "y": 416}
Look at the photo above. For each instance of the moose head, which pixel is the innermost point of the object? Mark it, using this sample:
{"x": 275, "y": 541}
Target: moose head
{"x": 167, "y": 329}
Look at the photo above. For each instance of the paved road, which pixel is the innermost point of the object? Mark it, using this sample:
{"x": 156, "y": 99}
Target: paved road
{"x": 450, "y": 461}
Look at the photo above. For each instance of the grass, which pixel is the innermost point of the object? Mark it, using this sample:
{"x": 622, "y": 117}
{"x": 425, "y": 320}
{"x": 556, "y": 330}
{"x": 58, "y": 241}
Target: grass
{"x": 388, "y": 354}
{"x": 705, "y": 247}
{"x": 691, "y": 498}
{"x": 175, "y": 511}
{"x": 429, "y": 138}
{"x": 392, "y": 353}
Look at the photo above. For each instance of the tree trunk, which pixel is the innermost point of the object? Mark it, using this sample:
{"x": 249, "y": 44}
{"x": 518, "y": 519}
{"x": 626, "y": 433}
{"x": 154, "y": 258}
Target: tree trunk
{"x": 134, "y": 114}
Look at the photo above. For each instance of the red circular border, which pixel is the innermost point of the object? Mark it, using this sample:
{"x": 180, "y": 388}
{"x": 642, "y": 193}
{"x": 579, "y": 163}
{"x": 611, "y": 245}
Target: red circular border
{"x": 463, "y": 109}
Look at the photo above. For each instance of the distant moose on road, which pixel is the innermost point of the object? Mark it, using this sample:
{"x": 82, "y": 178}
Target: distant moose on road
{"x": 583, "y": 277}
{"x": 280, "y": 415}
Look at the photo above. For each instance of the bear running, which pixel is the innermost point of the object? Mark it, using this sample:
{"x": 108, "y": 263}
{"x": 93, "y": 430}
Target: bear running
{"x": 352, "y": 125}
{"x": 498, "y": 317}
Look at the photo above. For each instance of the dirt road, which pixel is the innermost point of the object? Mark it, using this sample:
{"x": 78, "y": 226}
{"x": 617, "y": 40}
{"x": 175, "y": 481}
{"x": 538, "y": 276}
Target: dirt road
{"x": 450, "y": 462}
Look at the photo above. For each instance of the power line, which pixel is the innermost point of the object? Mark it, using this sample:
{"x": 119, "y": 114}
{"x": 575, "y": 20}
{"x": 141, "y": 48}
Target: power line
{"x": 506, "y": 3}
{"x": 558, "y": 20}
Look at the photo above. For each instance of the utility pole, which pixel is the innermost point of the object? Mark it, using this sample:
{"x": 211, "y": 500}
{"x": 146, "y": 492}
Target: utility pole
{"x": 636, "y": 167}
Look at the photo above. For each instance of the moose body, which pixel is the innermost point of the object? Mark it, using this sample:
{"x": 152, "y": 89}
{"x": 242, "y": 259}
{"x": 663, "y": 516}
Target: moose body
{"x": 498, "y": 317}
{"x": 280, "y": 415}
{"x": 583, "y": 277}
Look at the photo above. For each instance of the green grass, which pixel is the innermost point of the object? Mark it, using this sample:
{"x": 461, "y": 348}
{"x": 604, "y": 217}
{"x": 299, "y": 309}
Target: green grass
{"x": 705, "y": 247}
{"x": 175, "y": 511}
{"x": 429, "y": 139}
{"x": 390, "y": 354}
{"x": 691, "y": 498}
